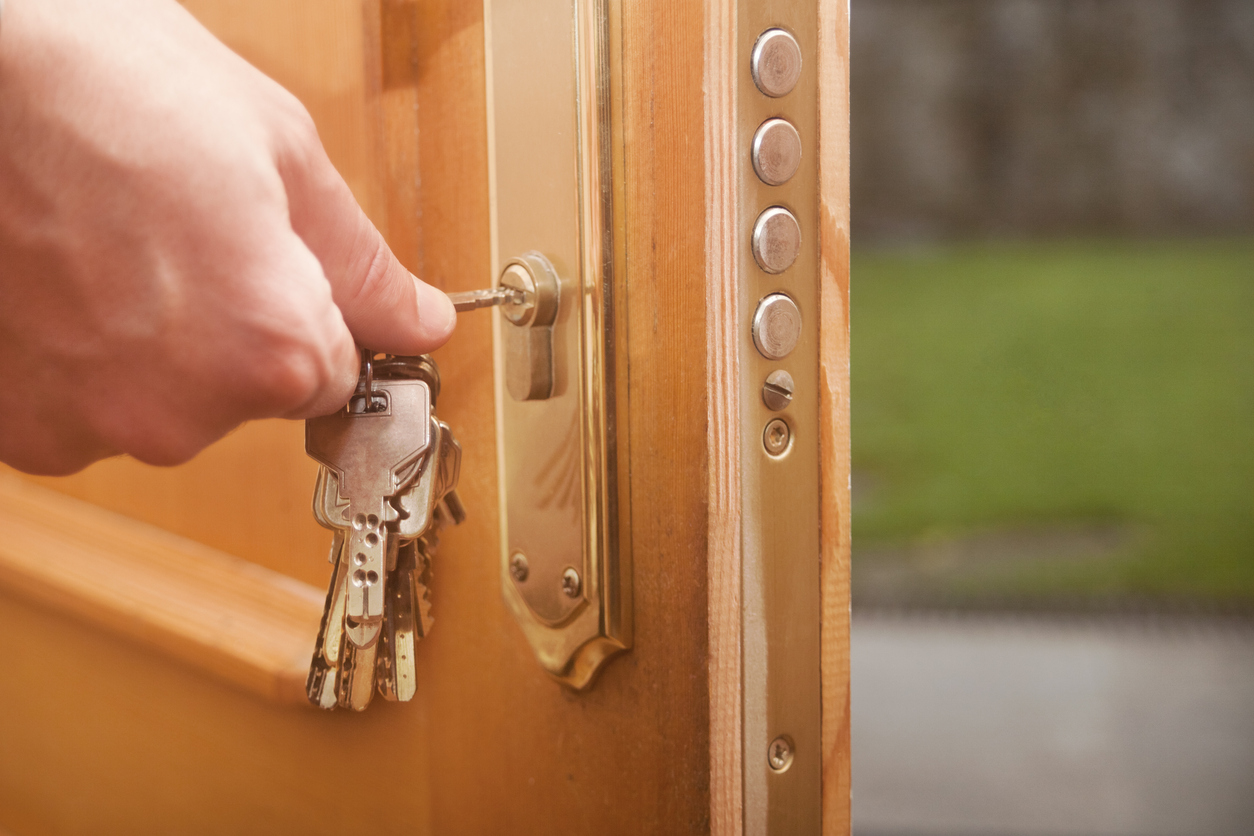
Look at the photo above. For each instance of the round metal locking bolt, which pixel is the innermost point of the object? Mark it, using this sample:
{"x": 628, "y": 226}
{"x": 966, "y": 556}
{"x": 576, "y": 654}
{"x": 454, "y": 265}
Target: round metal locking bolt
{"x": 519, "y": 569}
{"x": 776, "y": 326}
{"x": 776, "y": 151}
{"x": 572, "y": 584}
{"x": 776, "y": 239}
{"x": 777, "y": 390}
{"x": 776, "y": 63}
{"x": 779, "y": 754}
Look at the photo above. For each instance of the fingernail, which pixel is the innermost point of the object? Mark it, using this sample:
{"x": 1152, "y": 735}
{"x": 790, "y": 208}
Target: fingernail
{"x": 436, "y": 316}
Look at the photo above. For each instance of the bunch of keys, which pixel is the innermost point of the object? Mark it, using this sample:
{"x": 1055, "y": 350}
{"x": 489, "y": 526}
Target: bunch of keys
{"x": 385, "y": 487}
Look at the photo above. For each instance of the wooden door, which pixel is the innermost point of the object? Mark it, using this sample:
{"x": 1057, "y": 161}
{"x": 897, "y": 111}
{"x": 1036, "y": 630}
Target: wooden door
{"x": 159, "y": 622}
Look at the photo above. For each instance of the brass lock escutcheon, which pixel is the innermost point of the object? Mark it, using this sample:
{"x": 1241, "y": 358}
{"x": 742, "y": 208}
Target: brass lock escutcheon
{"x": 555, "y": 151}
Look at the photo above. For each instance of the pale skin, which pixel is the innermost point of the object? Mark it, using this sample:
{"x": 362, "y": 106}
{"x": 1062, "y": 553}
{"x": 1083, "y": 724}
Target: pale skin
{"x": 177, "y": 253}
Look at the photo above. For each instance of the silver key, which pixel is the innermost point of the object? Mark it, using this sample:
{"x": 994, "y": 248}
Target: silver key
{"x": 329, "y": 509}
{"x": 469, "y": 300}
{"x": 415, "y": 505}
{"x": 371, "y": 446}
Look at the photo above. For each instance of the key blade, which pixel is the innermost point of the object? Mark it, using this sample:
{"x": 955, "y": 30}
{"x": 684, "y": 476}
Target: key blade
{"x": 323, "y": 668}
{"x": 402, "y": 639}
{"x": 472, "y": 299}
{"x": 334, "y": 633}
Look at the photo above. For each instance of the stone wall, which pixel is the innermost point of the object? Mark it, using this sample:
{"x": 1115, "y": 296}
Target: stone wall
{"x": 1052, "y": 117}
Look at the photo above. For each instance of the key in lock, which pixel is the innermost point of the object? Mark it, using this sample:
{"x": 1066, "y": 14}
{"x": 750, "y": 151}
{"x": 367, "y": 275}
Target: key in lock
{"x": 529, "y": 294}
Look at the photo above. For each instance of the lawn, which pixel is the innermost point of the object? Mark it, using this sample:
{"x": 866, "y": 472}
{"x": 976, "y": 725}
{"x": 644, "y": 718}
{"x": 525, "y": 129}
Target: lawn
{"x": 1048, "y": 387}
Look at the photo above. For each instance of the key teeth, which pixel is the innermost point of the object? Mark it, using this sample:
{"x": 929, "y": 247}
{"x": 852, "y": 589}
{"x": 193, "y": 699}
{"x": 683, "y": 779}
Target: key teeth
{"x": 422, "y": 590}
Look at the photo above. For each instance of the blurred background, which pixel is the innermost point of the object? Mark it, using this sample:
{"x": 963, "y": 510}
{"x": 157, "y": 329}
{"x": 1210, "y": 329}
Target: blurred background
{"x": 1053, "y": 423}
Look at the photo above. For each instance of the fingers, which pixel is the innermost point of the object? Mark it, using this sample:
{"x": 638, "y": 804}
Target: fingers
{"x": 383, "y": 304}
{"x": 306, "y": 362}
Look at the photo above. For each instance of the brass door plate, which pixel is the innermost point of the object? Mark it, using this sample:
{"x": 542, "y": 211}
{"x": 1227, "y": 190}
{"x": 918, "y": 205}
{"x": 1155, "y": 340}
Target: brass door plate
{"x": 565, "y": 568}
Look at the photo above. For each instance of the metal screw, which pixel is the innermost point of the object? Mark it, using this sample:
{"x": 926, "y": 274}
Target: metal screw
{"x": 776, "y": 437}
{"x": 777, "y": 391}
{"x": 779, "y": 754}
{"x": 571, "y": 583}
{"x": 518, "y": 567}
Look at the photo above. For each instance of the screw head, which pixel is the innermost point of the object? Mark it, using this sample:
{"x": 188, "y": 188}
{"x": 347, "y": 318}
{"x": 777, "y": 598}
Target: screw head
{"x": 776, "y": 437}
{"x": 519, "y": 569}
{"x": 779, "y": 754}
{"x": 572, "y": 584}
{"x": 777, "y": 391}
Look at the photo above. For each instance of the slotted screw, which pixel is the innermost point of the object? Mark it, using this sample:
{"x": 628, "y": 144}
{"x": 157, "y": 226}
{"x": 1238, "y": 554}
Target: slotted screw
{"x": 777, "y": 391}
{"x": 518, "y": 567}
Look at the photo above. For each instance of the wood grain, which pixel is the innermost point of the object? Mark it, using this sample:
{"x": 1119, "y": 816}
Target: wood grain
{"x": 631, "y": 755}
{"x": 226, "y": 616}
{"x": 834, "y": 440}
{"x": 724, "y": 558}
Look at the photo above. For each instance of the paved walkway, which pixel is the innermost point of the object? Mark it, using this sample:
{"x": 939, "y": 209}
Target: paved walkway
{"x": 981, "y": 725}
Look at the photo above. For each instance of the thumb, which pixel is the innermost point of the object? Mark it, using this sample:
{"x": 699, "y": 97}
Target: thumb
{"x": 385, "y": 306}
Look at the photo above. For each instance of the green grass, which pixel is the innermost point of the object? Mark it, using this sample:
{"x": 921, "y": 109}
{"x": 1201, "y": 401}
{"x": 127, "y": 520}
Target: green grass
{"x": 1040, "y": 384}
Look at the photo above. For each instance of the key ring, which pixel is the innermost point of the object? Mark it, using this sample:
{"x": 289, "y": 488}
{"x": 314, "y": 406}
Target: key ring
{"x": 367, "y": 359}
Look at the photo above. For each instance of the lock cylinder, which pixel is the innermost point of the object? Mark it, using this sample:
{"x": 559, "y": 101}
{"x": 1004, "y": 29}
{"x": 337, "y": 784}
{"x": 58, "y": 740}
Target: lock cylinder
{"x": 529, "y": 336}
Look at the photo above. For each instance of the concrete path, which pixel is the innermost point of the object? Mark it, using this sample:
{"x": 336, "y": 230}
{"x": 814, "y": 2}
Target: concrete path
{"x": 1028, "y": 726}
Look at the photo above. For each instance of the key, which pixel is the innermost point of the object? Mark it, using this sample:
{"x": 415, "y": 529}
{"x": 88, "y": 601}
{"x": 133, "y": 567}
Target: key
{"x": 356, "y": 682}
{"x": 396, "y": 675}
{"x": 320, "y": 687}
{"x": 423, "y": 549}
{"x": 329, "y": 510}
{"x": 456, "y": 511}
{"x": 416, "y": 504}
{"x": 471, "y": 299}
{"x": 371, "y": 445}
{"x": 450, "y": 462}
{"x": 436, "y": 480}
{"x": 409, "y": 612}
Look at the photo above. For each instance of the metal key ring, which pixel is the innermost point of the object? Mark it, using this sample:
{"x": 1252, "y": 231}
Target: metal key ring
{"x": 367, "y": 358}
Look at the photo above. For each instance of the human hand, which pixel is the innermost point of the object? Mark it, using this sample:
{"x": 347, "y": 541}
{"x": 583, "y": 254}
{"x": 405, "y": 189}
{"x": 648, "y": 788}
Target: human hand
{"x": 177, "y": 253}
